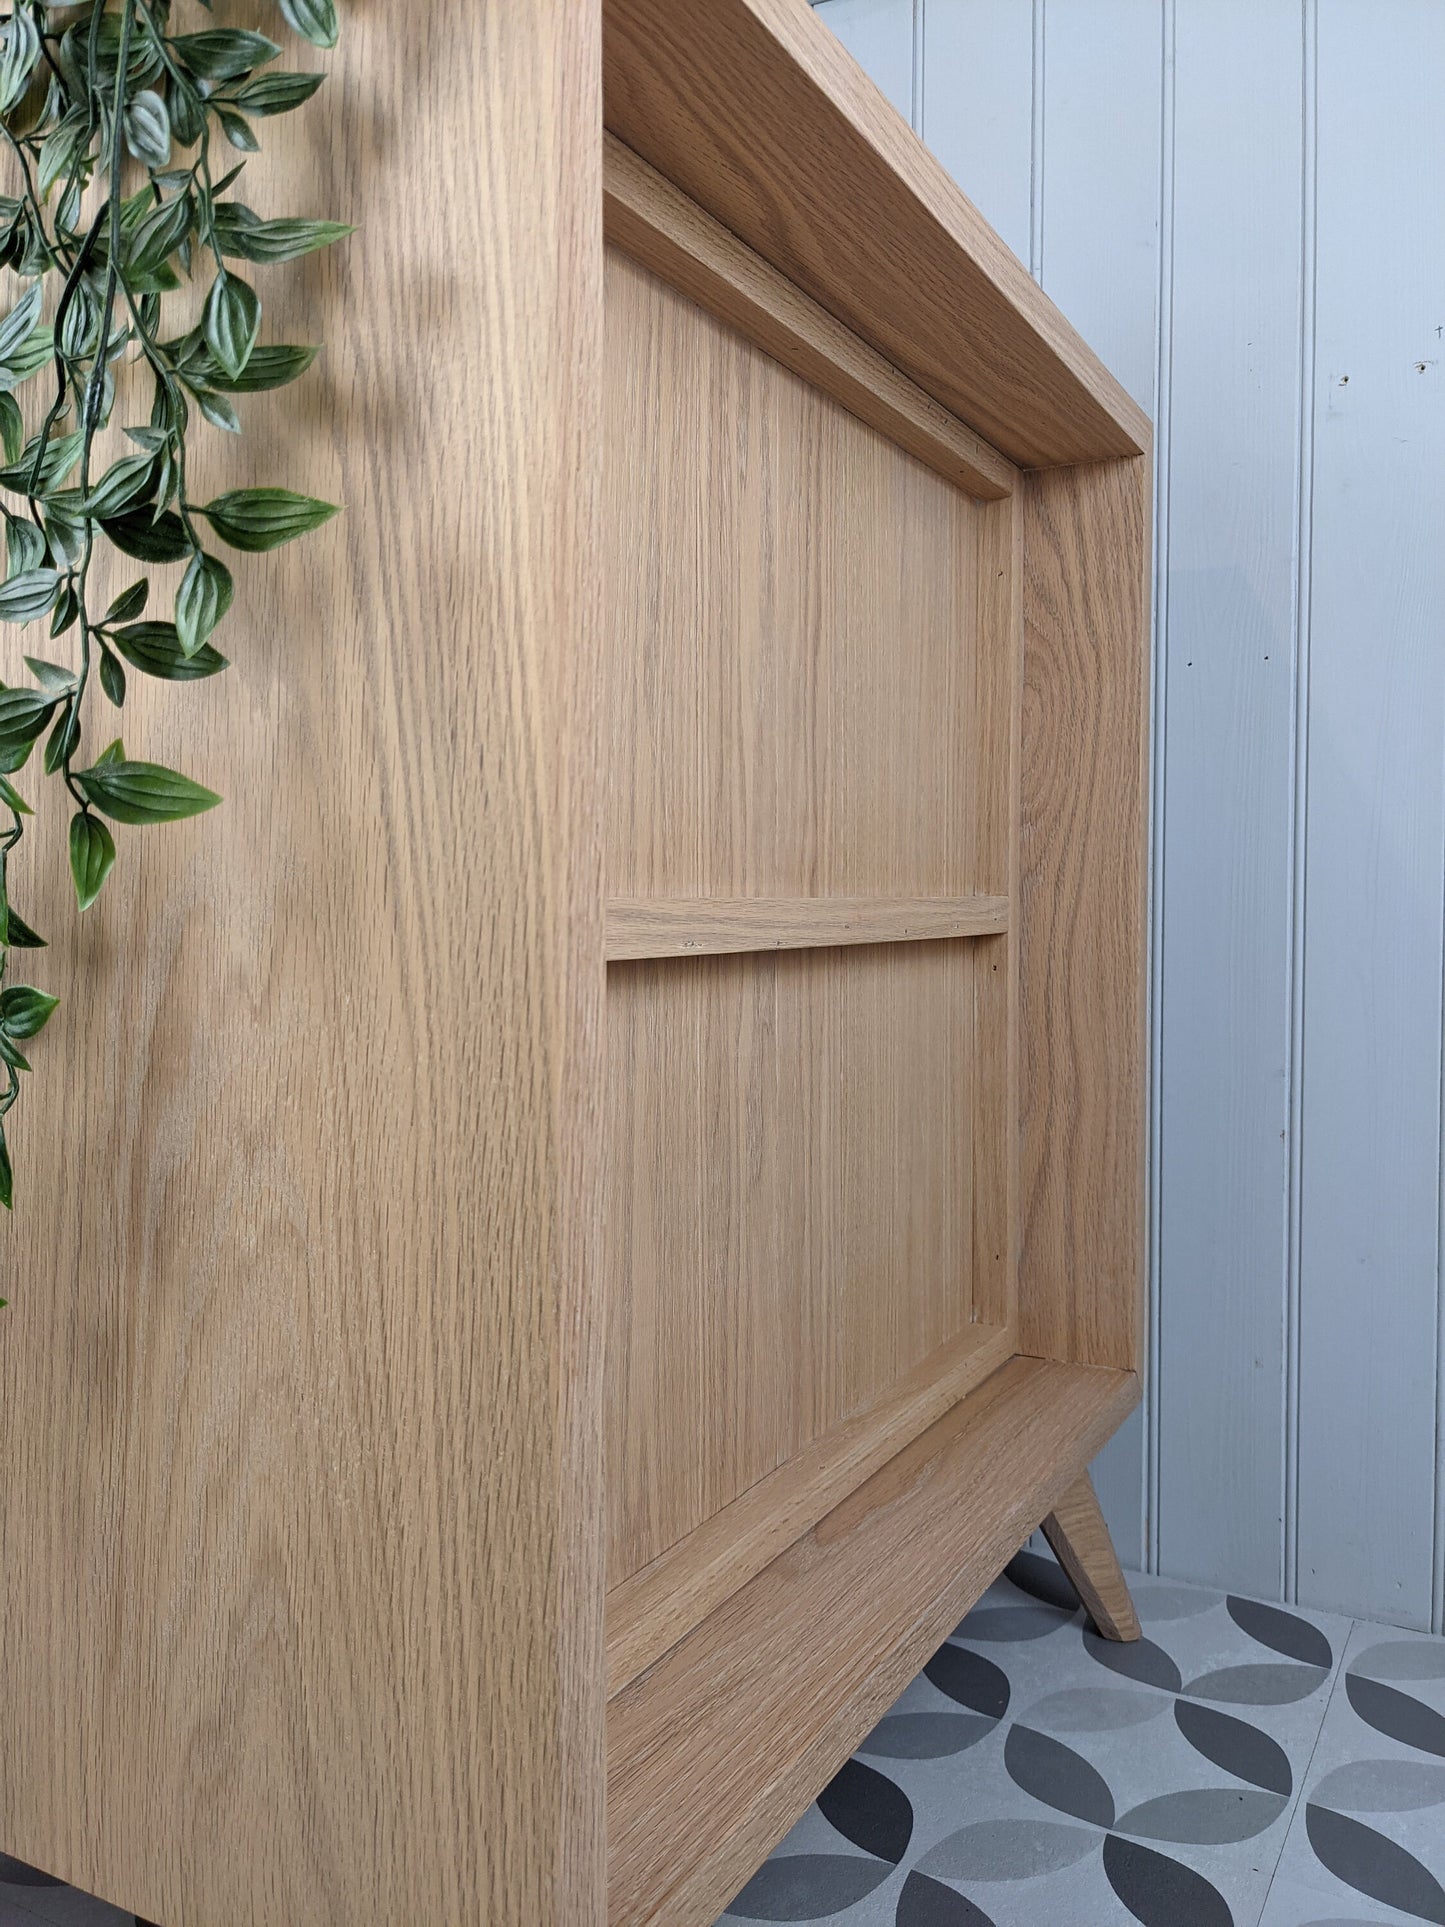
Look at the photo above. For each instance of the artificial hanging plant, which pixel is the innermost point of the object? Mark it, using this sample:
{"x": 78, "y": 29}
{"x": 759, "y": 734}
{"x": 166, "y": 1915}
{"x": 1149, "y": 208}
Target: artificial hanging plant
{"x": 113, "y": 120}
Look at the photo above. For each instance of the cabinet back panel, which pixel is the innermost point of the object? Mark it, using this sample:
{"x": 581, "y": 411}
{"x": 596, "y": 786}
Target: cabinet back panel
{"x": 792, "y": 630}
{"x": 790, "y": 1209}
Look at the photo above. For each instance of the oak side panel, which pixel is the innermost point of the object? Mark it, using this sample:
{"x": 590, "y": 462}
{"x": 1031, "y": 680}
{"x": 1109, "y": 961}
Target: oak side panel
{"x": 789, "y": 1207}
{"x": 756, "y": 112}
{"x": 1081, "y": 913}
{"x": 301, "y": 1511}
{"x": 793, "y": 670}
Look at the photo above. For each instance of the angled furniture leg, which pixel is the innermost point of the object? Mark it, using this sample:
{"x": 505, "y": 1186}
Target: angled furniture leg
{"x": 1076, "y": 1532}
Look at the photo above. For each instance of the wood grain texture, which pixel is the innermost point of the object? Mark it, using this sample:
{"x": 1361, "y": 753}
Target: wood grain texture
{"x": 1081, "y": 913}
{"x": 1079, "y": 1540}
{"x": 754, "y": 110}
{"x": 888, "y": 1573}
{"x": 711, "y": 926}
{"x": 789, "y": 1206}
{"x": 299, "y": 1385}
{"x": 649, "y": 219}
{"x": 791, "y": 618}
{"x": 650, "y": 1610}
{"x": 996, "y": 1020}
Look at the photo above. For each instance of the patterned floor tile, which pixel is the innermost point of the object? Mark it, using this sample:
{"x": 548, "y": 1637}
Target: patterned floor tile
{"x": 1290, "y": 1905}
{"x": 37, "y": 1897}
{"x": 1371, "y": 1829}
{"x": 1036, "y": 1773}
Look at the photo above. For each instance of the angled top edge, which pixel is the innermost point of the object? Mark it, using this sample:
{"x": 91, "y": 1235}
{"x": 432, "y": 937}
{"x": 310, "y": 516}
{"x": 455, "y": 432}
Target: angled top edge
{"x": 757, "y": 112}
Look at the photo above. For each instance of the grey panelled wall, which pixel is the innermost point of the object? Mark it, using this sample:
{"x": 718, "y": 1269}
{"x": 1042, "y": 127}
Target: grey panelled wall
{"x": 1238, "y": 202}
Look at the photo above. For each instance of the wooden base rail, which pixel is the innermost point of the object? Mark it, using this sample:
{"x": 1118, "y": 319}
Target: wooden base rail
{"x": 775, "y": 1688}
{"x": 651, "y": 1610}
{"x": 718, "y": 926}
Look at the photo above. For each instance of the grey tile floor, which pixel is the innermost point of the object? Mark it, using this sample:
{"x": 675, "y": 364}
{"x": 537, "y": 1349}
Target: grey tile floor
{"x": 1244, "y": 1766}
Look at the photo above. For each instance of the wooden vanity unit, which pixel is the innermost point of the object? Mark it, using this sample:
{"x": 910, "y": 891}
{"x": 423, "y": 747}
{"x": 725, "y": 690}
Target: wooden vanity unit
{"x": 629, "y": 1210}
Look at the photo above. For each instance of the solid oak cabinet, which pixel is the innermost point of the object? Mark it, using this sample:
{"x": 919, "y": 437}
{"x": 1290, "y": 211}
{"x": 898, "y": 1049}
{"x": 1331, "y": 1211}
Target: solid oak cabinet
{"x": 592, "y": 1246}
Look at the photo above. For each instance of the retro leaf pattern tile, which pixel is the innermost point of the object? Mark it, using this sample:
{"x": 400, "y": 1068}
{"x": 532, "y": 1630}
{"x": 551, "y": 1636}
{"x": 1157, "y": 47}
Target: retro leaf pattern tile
{"x": 1035, "y": 1773}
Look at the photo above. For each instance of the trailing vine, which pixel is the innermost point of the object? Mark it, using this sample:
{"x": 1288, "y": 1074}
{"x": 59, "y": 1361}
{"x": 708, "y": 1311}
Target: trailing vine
{"x": 112, "y": 123}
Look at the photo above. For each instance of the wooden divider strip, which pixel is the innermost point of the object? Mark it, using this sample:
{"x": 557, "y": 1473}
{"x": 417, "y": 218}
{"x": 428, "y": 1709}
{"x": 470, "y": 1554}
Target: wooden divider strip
{"x": 714, "y": 926}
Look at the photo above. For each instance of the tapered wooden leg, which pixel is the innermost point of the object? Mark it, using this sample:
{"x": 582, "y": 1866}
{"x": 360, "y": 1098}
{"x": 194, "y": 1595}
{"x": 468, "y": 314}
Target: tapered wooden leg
{"x": 1080, "y": 1541}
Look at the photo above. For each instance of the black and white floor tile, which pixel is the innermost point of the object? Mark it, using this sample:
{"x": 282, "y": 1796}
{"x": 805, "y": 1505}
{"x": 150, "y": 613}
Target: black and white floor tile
{"x": 1242, "y": 1766}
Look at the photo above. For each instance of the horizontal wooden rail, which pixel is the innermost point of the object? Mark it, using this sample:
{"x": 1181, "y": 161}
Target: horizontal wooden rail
{"x": 649, "y": 1611}
{"x": 655, "y": 223}
{"x": 716, "y": 926}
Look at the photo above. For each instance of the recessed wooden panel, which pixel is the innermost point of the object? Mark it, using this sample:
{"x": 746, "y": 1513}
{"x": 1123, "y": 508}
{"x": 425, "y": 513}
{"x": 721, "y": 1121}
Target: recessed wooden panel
{"x": 790, "y": 1209}
{"x": 792, "y": 631}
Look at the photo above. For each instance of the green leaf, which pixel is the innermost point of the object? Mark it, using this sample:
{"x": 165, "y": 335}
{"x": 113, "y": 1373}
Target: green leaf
{"x": 60, "y": 147}
{"x": 50, "y": 675}
{"x": 24, "y": 597}
{"x": 64, "y": 739}
{"x": 23, "y": 714}
{"x": 25, "y": 544}
{"x": 146, "y": 540}
{"x": 92, "y": 852}
{"x": 61, "y": 454}
{"x": 67, "y": 608}
{"x": 240, "y": 232}
{"x": 314, "y": 20}
{"x": 20, "y": 322}
{"x": 236, "y": 127}
{"x": 268, "y": 367}
{"x": 202, "y": 600}
{"x": 218, "y": 411}
{"x": 155, "y": 649}
{"x": 148, "y": 128}
{"x": 11, "y": 1054}
{"x": 144, "y": 793}
{"x": 7, "y": 1182}
{"x": 12, "y": 427}
{"x": 129, "y": 602}
{"x": 19, "y": 51}
{"x": 12, "y": 798}
{"x": 24, "y": 1010}
{"x": 124, "y": 482}
{"x": 276, "y": 93}
{"x": 112, "y": 676}
{"x": 34, "y": 352}
{"x": 112, "y": 753}
{"x": 223, "y": 53}
{"x": 255, "y": 519}
{"x": 22, "y": 937}
{"x": 188, "y": 117}
{"x": 159, "y": 235}
{"x": 232, "y": 321}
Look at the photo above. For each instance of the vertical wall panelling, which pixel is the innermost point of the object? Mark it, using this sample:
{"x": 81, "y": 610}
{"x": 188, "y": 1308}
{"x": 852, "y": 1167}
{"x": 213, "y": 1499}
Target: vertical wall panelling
{"x": 1375, "y": 852}
{"x": 1096, "y": 236}
{"x": 880, "y": 36}
{"x": 978, "y": 92}
{"x": 1227, "y": 884}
